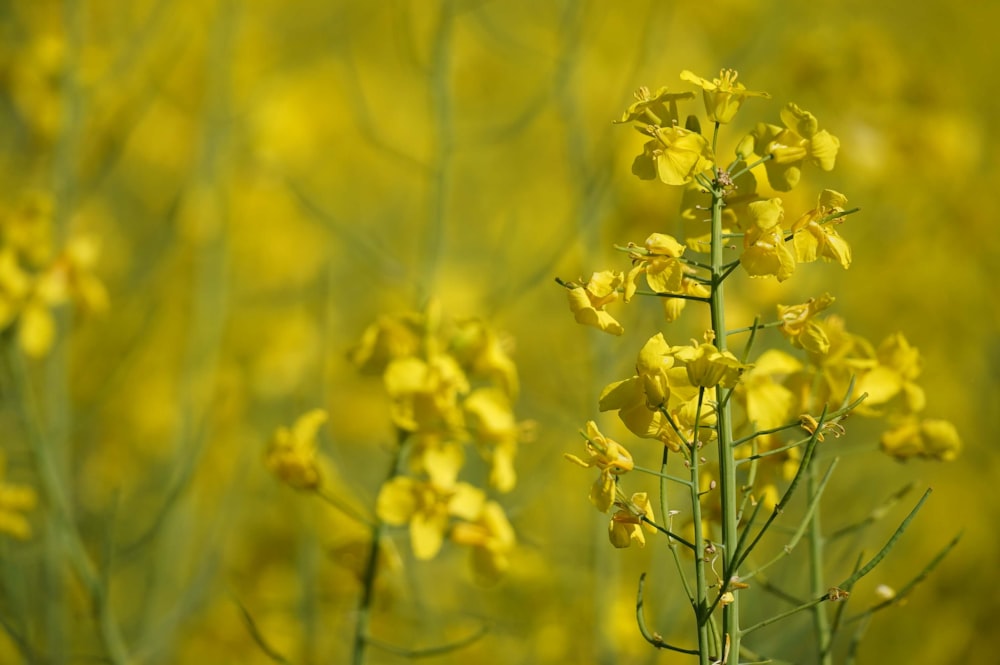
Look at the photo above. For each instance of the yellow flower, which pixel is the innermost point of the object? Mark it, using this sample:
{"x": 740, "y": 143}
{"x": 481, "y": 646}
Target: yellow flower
{"x": 675, "y": 155}
{"x": 71, "y": 277}
{"x": 485, "y": 353}
{"x": 768, "y": 403}
{"x": 723, "y": 96}
{"x": 659, "y": 261}
{"x": 638, "y": 400}
{"x": 899, "y": 364}
{"x": 427, "y": 508}
{"x": 388, "y": 339}
{"x": 15, "y": 500}
{"x": 708, "y": 367}
{"x": 799, "y": 327}
{"x": 492, "y": 423}
{"x": 654, "y": 109}
{"x": 491, "y": 538}
{"x": 799, "y": 142}
{"x": 438, "y": 456}
{"x": 587, "y": 302}
{"x": 611, "y": 458}
{"x": 27, "y": 229}
{"x": 686, "y": 417}
{"x": 813, "y": 240}
{"x": 425, "y": 393}
{"x": 765, "y": 252}
{"x": 933, "y": 439}
{"x": 291, "y": 455}
{"x": 672, "y": 307}
{"x": 627, "y": 523}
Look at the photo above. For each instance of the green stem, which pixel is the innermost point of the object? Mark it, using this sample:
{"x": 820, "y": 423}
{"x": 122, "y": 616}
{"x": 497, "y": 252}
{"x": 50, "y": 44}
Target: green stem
{"x": 378, "y": 529}
{"x": 727, "y": 461}
{"x": 821, "y": 621}
{"x": 51, "y": 485}
{"x": 665, "y": 517}
{"x": 701, "y": 590}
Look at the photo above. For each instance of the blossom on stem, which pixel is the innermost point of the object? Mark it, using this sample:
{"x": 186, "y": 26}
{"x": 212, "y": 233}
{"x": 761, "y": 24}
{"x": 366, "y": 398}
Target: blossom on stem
{"x": 659, "y": 262}
{"x": 799, "y": 327}
{"x": 814, "y": 235}
{"x": 672, "y": 307}
{"x": 587, "y": 302}
{"x": 611, "y": 458}
{"x": 765, "y": 253}
{"x": 627, "y": 523}
{"x": 427, "y": 508}
{"x": 675, "y": 155}
{"x": 723, "y": 96}
{"x": 708, "y": 367}
{"x": 659, "y": 108}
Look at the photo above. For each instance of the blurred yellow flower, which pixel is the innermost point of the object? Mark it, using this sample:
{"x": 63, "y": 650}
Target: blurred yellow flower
{"x": 15, "y": 500}
{"x": 389, "y": 338}
{"x": 485, "y": 353}
{"x": 723, "y": 96}
{"x": 899, "y": 364}
{"x": 491, "y": 538}
{"x": 799, "y": 142}
{"x": 438, "y": 456}
{"x": 587, "y": 302}
{"x": 427, "y": 508}
{"x": 769, "y": 403}
{"x": 291, "y": 455}
{"x": 933, "y": 439}
{"x": 611, "y": 458}
{"x": 491, "y": 421}
{"x": 627, "y": 523}
{"x": 425, "y": 393}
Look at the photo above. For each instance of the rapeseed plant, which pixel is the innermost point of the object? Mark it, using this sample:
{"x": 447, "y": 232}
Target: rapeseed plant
{"x": 762, "y": 415}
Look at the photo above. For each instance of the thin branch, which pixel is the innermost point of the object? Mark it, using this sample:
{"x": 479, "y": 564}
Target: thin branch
{"x": 653, "y": 638}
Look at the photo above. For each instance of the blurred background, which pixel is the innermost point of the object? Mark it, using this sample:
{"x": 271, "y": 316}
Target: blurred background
{"x": 266, "y": 178}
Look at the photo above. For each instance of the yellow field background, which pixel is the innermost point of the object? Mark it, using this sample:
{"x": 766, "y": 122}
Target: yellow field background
{"x": 266, "y": 178}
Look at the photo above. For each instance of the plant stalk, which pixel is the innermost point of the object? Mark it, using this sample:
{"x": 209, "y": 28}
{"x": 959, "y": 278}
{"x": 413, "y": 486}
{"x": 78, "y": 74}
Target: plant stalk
{"x": 727, "y": 462}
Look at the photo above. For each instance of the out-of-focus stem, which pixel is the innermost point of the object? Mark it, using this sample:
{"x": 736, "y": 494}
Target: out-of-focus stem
{"x": 50, "y": 483}
{"x": 821, "y": 622}
{"x": 371, "y": 569}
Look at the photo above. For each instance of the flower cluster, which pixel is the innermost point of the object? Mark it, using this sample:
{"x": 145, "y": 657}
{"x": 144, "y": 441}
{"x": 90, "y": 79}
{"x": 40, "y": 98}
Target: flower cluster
{"x": 665, "y": 400}
{"x": 450, "y": 385}
{"x": 35, "y": 279}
